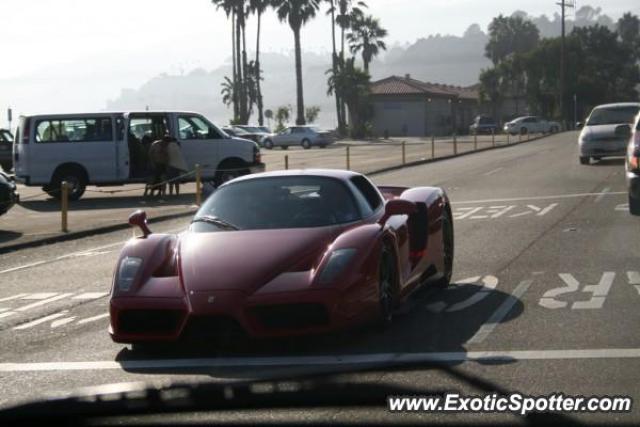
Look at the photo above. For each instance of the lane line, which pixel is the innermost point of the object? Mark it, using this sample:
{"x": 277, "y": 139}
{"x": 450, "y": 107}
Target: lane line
{"x": 40, "y": 295}
{"x": 61, "y": 322}
{"x": 599, "y": 197}
{"x": 13, "y": 297}
{"x": 500, "y": 313}
{"x": 22, "y": 267}
{"x": 493, "y": 171}
{"x": 42, "y": 302}
{"x": 558, "y": 196}
{"x": 91, "y": 295}
{"x": 93, "y": 319}
{"x": 41, "y": 320}
{"x": 350, "y": 359}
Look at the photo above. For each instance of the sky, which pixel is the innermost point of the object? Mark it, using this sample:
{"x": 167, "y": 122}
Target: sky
{"x": 85, "y": 51}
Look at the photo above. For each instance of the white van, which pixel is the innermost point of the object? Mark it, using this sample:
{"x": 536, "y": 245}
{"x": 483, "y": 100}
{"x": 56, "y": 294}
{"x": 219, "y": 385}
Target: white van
{"x": 111, "y": 149}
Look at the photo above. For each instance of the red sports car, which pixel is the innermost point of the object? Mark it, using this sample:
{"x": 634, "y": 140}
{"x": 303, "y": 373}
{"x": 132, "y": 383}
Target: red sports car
{"x": 280, "y": 254}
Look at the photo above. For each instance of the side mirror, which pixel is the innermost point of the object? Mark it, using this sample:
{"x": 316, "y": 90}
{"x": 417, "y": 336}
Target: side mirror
{"x": 397, "y": 207}
{"x": 579, "y": 125}
{"x": 139, "y": 219}
{"x": 623, "y": 131}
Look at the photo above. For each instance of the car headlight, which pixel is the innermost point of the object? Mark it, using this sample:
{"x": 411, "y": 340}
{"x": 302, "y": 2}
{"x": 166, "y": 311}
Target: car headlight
{"x": 127, "y": 271}
{"x": 336, "y": 264}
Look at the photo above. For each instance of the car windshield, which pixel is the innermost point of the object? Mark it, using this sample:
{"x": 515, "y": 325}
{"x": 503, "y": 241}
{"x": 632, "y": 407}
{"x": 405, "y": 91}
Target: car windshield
{"x": 613, "y": 116}
{"x": 5, "y": 136}
{"x": 281, "y": 202}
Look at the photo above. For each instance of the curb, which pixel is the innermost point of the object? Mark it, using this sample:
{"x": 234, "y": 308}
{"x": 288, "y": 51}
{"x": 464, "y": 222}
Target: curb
{"x": 452, "y": 156}
{"x": 117, "y": 227}
{"x": 85, "y": 233}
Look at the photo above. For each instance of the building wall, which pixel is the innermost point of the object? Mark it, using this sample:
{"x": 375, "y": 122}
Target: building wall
{"x": 399, "y": 116}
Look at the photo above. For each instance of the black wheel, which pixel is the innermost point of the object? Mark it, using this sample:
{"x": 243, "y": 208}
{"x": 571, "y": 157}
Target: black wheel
{"x": 634, "y": 206}
{"x": 76, "y": 180}
{"x": 306, "y": 144}
{"x": 223, "y": 176}
{"x": 386, "y": 280}
{"x": 584, "y": 160}
{"x": 447, "y": 248}
{"x": 268, "y": 144}
{"x": 6, "y": 166}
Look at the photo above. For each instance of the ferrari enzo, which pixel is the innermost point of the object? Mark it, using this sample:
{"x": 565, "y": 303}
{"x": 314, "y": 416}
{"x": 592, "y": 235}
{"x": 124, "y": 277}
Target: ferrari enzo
{"x": 281, "y": 254}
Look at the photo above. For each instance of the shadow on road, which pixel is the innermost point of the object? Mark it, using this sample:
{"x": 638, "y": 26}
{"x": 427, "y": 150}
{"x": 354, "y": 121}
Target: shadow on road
{"x": 612, "y": 161}
{"x": 431, "y": 321}
{"x": 7, "y": 236}
{"x": 112, "y": 202}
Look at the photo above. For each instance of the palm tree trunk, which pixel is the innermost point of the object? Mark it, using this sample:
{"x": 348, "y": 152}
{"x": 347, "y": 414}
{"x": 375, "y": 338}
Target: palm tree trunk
{"x": 258, "y": 74}
{"x": 343, "y": 104}
{"x": 245, "y": 82}
{"x": 300, "y": 121}
{"x": 235, "y": 71}
{"x": 335, "y": 67}
{"x": 240, "y": 82}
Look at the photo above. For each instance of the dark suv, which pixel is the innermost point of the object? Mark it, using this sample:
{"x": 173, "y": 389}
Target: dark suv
{"x": 6, "y": 150}
{"x": 483, "y": 124}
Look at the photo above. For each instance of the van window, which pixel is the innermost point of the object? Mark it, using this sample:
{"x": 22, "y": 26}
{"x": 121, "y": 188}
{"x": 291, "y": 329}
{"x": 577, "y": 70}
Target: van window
{"x": 74, "y": 130}
{"x": 194, "y": 127}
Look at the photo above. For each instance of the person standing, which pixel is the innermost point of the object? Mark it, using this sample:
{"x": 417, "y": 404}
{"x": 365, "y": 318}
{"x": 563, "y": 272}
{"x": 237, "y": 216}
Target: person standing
{"x": 176, "y": 166}
{"x": 159, "y": 160}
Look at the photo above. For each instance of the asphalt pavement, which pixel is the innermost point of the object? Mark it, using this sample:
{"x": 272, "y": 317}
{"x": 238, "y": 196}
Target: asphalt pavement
{"x": 545, "y": 298}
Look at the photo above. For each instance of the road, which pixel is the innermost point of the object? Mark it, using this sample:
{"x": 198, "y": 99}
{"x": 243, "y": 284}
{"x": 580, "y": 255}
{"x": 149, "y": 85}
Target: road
{"x": 546, "y": 293}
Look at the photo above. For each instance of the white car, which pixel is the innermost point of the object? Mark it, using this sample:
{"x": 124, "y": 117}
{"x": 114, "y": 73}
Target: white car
{"x": 304, "y": 136}
{"x": 598, "y": 137}
{"x": 530, "y": 124}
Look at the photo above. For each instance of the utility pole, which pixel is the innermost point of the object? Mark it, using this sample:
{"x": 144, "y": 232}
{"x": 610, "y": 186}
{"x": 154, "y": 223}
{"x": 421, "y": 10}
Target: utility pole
{"x": 563, "y": 5}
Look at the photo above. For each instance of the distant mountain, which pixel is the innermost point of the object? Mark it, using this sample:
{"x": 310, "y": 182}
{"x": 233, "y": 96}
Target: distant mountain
{"x": 436, "y": 58}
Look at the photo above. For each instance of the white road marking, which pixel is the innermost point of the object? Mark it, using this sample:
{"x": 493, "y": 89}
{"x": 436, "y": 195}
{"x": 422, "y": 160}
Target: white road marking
{"x": 470, "y": 211}
{"x": 22, "y": 267}
{"x": 634, "y": 279}
{"x": 12, "y": 297}
{"x": 548, "y": 299}
{"x": 493, "y": 171}
{"x": 91, "y": 295}
{"x": 61, "y": 322}
{"x": 489, "y": 283}
{"x": 500, "y": 313}
{"x": 93, "y": 319}
{"x": 43, "y": 302}
{"x": 41, "y": 320}
{"x": 335, "y": 360}
{"x": 601, "y": 195}
{"x": 520, "y": 199}
{"x": 598, "y": 291}
{"x": 40, "y": 295}
{"x": 623, "y": 207}
{"x": 7, "y": 314}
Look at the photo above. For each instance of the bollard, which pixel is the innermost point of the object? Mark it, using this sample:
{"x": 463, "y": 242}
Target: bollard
{"x": 64, "y": 205}
{"x": 404, "y": 153}
{"x": 433, "y": 146}
{"x": 455, "y": 145}
{"x": 198, "y": 185}
{"x": 348, "y": 158}
{"x": 286, "y": 162}
{"x": 508, "y": 138}
{"x": 475, "y": 140}
{"x": 493, "y": 137}
{"x": 519, "y": 136}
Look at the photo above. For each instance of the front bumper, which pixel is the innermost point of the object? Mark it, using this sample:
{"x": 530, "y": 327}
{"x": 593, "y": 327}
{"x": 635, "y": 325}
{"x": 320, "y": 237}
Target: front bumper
{"x": 633, "y": 184}
{"x": 603, "y": 148}
{"x": 207, "y": 315}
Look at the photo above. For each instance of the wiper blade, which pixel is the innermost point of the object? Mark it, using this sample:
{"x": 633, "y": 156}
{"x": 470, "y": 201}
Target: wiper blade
{"x": 215, "y": 221}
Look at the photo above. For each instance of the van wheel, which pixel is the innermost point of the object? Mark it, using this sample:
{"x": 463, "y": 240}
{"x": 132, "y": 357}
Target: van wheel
{"x": 306, "y": 144}
{"x": 75, "y": 178}
{"x": 584, "y": 160}
{"x": 634, "y": 206}
{"x": 229, "y": 171}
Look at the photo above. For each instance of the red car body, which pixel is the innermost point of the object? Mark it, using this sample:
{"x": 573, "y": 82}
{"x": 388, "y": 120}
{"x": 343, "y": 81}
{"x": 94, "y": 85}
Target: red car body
{"x": 264, "y": 283}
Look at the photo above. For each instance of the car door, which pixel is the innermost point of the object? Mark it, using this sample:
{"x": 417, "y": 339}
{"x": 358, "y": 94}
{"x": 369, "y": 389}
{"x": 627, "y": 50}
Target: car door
{"x": 200, "y": 142}
{"x": 283, "y": 138}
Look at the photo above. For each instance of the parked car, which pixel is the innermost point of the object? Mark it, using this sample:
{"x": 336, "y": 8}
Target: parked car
{"x": 531, "y": 124}
{"x": 304, "y": 136}
{"x": 6, "y": 150}
{"x": 103, "y": 149}
{"x": 602, "y": 136}
{"x": 483, "y": 124}
{"x": 8, "y": 195}
{"x": 254, "y": 133}
{"x": 632, "y": 164}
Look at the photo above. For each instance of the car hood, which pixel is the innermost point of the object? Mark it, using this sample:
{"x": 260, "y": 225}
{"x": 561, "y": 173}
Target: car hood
{"x": 249, "y": 259}
{"x": 600, "y": 132}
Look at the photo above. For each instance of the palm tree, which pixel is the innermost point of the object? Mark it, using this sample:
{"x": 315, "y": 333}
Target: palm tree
{"x": 259, "y": 7}
{"x": 227, "y": 91}
{"x": 348, "y": 11}
{"x": 297, "y": 13}
{"x": 366, "y": 37}
{"x": 229, "y": 7}
{"x": 353, "y": 83}
{"x": 334, "y": 64}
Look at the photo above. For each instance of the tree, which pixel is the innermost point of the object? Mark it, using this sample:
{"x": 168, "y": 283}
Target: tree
{"x": 366, "y": 37}
{"x": 629, "y": 31}
{"x": 268, "y": 114}
{"x": 229, "y": 7}
{"x": 259, "y": 7}
{"x": 297, "y": 13}
{"x": 312, "y": 113}
{"x": 353, "y": 83}
{"x": 491, "y": 89}
{"x": 508, "y": 35}
{"x": 348, "y": 11}
{"x": 282, "y": 117}
{"x": 227, "y": 92}
{"x": 334, "y": 65}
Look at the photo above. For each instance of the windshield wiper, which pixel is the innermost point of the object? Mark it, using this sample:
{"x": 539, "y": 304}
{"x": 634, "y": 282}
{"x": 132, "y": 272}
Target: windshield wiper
{"x": 215, "y": 221}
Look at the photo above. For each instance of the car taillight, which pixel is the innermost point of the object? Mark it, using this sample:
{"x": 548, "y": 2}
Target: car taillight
{"x": 633, "y": 154}
{"x": 257, "y": 156}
